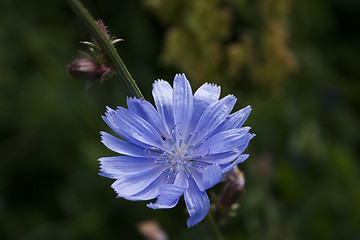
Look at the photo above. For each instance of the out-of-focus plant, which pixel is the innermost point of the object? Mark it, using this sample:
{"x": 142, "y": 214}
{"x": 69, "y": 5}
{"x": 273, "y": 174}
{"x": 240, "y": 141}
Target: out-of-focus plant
{"x": 220, "y": 40}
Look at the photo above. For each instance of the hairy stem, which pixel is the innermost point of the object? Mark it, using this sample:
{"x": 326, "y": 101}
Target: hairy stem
{"x": 106, "y": 46}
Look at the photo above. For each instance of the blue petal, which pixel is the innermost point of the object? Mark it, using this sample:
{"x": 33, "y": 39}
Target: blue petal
{"x": 242, "y": 147}
{"x": 123, "y": 147}
{"x": 197, "y": 204}
{"x": 214, "y": 115}
{"x": 182, "y": 103}
{"x": 241, "y": 116}
{"x": 235, "y": 120}
{"x": 181, "y": 180}
{"x": 132, "y": 126}
{"x": 129, "y": 185}
{"x": 152, "y": 191}
{"x": 227, "y": 167}
{"x": 203, "y": 97}
{"x": 119, "y": 165}
{"x": 211, "y": 176}
{"x": 109, "y": 119}
{"x": 220, "y": 158}
{"x": 163, "y": 97}
{"x": 208, "y": 177}
{"x": 196, "y": 175}
{"x": 146, "y": 110}
{"x": 169, "y": 195}
{"x": 224, "y": 142}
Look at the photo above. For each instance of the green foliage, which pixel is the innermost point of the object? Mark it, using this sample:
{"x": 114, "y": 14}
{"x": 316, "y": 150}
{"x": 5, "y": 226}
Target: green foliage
{"x": 294, "y": 62}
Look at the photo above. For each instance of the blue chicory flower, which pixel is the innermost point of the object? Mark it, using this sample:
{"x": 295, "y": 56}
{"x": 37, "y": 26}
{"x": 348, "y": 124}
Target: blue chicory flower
{"x": 183, "y": 147}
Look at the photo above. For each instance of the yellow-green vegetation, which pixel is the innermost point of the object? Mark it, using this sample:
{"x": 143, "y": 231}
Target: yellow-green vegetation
{"x": 223, "y": 40}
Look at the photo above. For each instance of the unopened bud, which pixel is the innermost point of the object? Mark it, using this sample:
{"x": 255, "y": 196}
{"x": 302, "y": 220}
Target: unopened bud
{"x": 87, "y": 69}
{"x": 234, "y": 187}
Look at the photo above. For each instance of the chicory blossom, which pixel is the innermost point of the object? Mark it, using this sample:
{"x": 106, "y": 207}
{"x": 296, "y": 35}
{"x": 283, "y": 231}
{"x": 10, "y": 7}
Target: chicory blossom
{"x": 181, "y": 147}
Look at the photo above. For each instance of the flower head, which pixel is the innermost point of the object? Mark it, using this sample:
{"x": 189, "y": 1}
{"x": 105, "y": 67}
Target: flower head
{"x": 183, "y": 147}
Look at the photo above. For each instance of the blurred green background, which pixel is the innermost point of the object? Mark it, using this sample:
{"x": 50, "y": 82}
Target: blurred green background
{"x": 297, "y": 63}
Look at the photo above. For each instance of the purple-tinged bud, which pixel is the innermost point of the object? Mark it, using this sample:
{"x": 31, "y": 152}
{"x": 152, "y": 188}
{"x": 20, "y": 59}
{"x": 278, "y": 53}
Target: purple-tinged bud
{"x": 87, "y": 69}
{"x": 234, "y": 187}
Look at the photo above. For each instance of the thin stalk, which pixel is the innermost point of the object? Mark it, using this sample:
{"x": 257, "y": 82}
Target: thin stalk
{"x": 214, "y": 226}
{"x": 106, "y": 46}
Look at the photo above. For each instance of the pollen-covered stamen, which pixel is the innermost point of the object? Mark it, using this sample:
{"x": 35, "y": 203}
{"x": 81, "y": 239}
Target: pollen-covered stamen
{"x": 187, "y": 171}
{"x": 153, "y": 150}
{"x": 161, "y": 160}
{"x": 167, "y": 172}
{"x": 195, "y": 164}
{"x": 190, "y": 136}
{"x": 171, "y": 143}
{"x": 172, "y": 138}
{"x": 180, "y": 143}
{"x": 194, "y": 147}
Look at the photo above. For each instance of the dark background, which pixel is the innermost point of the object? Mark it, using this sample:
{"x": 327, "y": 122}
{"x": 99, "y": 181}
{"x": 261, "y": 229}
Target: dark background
{"x": 295, "y": 62}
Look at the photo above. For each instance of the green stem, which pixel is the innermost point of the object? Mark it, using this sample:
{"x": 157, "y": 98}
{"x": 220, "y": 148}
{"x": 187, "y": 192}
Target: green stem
{"x": 214, "y": 226}
{"x": 106, "y": 46}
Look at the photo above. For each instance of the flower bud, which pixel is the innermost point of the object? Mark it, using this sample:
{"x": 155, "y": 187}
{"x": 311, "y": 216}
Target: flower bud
{"x": 234, "y": 187}
{"x": 87, "y": 69}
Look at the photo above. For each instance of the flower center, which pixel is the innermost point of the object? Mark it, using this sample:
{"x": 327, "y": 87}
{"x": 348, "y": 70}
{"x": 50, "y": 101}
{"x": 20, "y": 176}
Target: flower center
{"x": 181, "y": 157}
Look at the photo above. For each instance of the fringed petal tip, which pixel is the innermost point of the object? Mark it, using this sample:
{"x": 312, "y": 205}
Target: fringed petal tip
{"x": 246, "y": 129}
{"x": 159, "y": 206}
{"x": 132, "y": 99}
{"x": 181, "y": 75}
{"x": 152, "y": 205}
{"x": 109, "y": 114}
{"x": 157, "y": 81}
{"x": 232, "y": 96}
{"x": 213, "y": 85}
{"x": 105, "y": 136}
{"x": 109, "y": 109}
{"x": 247, "y": 108}
{"x": 107, "y": 175}
{"x": 102, "y": 133}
